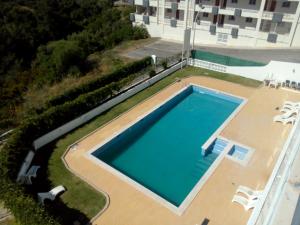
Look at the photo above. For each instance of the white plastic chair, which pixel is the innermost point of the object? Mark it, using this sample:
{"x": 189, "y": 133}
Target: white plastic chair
{"x": 250, "y": 193}
{"x": 51, "y": 195}
{"x": 288, "y": 114}
{"x": 274, "y": 83}
{"x": 287, "y": 108}
{"x": 247, "y": 204}
{"x": 283, "y": 120}
{"x": 290, "y": 103}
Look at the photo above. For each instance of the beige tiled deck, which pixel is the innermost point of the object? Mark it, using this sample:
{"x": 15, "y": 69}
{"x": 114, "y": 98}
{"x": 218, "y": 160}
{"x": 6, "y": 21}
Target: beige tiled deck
{"x": 252, "y": 126}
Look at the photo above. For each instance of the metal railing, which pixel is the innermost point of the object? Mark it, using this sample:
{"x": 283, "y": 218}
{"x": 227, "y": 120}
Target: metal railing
{"x": 269, "y": 15}
{"x": 264, "y": 211}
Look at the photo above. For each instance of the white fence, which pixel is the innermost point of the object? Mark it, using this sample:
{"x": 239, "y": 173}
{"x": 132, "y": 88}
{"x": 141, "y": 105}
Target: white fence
{"x": 273, "y": 70}
{"x": 263, "y": 212}
{"x": 54, "y": 134}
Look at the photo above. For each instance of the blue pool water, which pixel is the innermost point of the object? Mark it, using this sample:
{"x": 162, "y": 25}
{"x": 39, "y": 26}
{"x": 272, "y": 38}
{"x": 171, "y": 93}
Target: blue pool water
{"x": 162, "y": 151}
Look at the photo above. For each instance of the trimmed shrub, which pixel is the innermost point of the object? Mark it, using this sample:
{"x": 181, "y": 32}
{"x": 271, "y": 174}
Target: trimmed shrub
{"x": 102, "y": 81}
{"x": 164, "y": 64}
{"x": 152, "y": 73}
{"x": 140, "y": 32}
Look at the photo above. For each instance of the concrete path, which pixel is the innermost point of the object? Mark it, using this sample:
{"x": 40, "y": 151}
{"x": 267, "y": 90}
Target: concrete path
{"x": 163, "y": 48}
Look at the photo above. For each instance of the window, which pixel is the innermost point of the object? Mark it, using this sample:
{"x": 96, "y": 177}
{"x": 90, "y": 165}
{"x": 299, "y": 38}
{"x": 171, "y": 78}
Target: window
{"x": 232, "y": 18}
{"x": 205, "y": 14}
{"x": 249, "y": 20}
{"x": 286, "y": 5}
{"x": 252, "y": 2}
{"x": 234, "y": 1}
{"x": 280, "y": 24}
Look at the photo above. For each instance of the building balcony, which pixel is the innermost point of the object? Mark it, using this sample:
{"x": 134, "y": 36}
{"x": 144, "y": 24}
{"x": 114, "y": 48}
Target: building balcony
{"x": 236, "y": 30}
{"x": 250, "y": 13}
{"x": 233, "y": 12}
{"x": 227, "y": 11}
{"x": 272, "y": 16}
{"x": 145, "y": 19}
{"x": 138, "y": 18}
{"x": 153, "y": 3}
{"x": 273, "y": 37}
{"x": 203, "y": 25}
{"x": 172, "y": 23}
{"x": 144, "y": 3}
{"x": 207, "y": 8}
{"x": 180, "y": 5}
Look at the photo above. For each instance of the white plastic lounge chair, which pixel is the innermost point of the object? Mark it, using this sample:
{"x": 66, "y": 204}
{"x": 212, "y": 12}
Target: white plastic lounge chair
{"x": 51, "y": 195}
{"x": 32, "y": 172}
{"x": 287, "y": 108}
{"x": 290, "y": 103}
{"x": 247, "y": 204}
{"x": 286, "y": 115}
{"x": 274, "y": 83}
{"x": 250, "y": 193}
{"x": 285, "y": 121}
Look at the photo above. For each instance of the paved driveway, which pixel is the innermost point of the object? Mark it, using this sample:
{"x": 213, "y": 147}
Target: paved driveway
{"x": 159, "y": 48}
{"x": 164, "y": 49}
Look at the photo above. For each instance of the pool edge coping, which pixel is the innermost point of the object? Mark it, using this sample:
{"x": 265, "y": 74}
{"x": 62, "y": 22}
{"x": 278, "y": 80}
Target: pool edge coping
{"x": 197, "y": 187}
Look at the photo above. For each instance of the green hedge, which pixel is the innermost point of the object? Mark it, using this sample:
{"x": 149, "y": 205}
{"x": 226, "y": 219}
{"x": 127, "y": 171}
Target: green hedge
{"x": 22, "y": 205}
{"x": 102, "y": 81}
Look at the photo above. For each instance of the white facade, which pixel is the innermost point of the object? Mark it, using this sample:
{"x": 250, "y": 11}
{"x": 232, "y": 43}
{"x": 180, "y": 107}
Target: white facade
{"x": 248, "y": 23}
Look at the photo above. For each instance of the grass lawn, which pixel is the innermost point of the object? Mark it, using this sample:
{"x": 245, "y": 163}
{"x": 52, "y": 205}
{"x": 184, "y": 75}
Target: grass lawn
{"x": 81, "y": 196}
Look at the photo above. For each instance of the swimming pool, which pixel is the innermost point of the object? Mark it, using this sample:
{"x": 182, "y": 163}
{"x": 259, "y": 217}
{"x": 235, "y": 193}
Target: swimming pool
{"x": 161, "y": 152}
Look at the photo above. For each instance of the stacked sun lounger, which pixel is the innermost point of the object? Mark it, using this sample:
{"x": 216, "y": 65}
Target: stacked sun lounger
{"x": 289, "y": 112}
{"x": 280, "y": 83}
{"x": 249, "y": 197}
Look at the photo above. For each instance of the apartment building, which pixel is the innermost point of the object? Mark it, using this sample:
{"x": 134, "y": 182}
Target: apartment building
{"x": 251, "y": 23}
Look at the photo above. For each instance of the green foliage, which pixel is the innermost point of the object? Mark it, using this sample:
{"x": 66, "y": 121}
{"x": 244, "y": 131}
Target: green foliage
{"x": 58, "y": 59}
{"x": 140, "y": 32}
{"x": 25, "y": 209}
{"x": 23, "y": 206}
{"x": 48, "y": 40}
{"x": 115, "y": 76}
{"x": 152, "y": 73}
{"x": 164, "y": 63}
{"x": 25, "y": 25}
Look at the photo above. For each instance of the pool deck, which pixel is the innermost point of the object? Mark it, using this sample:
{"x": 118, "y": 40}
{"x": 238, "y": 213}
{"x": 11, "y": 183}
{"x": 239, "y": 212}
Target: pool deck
{"x": 252, "y": 126}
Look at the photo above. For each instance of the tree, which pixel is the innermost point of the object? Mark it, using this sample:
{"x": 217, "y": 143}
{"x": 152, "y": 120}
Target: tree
{"x": 58, "y": 59}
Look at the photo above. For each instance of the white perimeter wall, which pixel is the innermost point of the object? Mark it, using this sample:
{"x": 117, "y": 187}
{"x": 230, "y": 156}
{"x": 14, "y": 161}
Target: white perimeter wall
{"x": 274, "y": 70}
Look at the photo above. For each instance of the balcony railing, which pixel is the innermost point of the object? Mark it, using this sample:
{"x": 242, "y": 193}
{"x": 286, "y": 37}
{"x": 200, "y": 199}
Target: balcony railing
{"x": 250, "y": 13}
{"x": 227, "y": 11}
{"x": 286, "y": 16}
{"x": 179, "y": 23}
{"x": 138, "y": 2}
{"x": 153, "y": 3}
{"x": 180, "y": 5}
{"x": 138, "y": 18}
{"x": 207, "y": 8}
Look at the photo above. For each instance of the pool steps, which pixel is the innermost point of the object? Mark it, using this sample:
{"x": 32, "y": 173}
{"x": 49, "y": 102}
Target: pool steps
{"x": 233, "y": 151}
{"x": 217, "y": 146}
